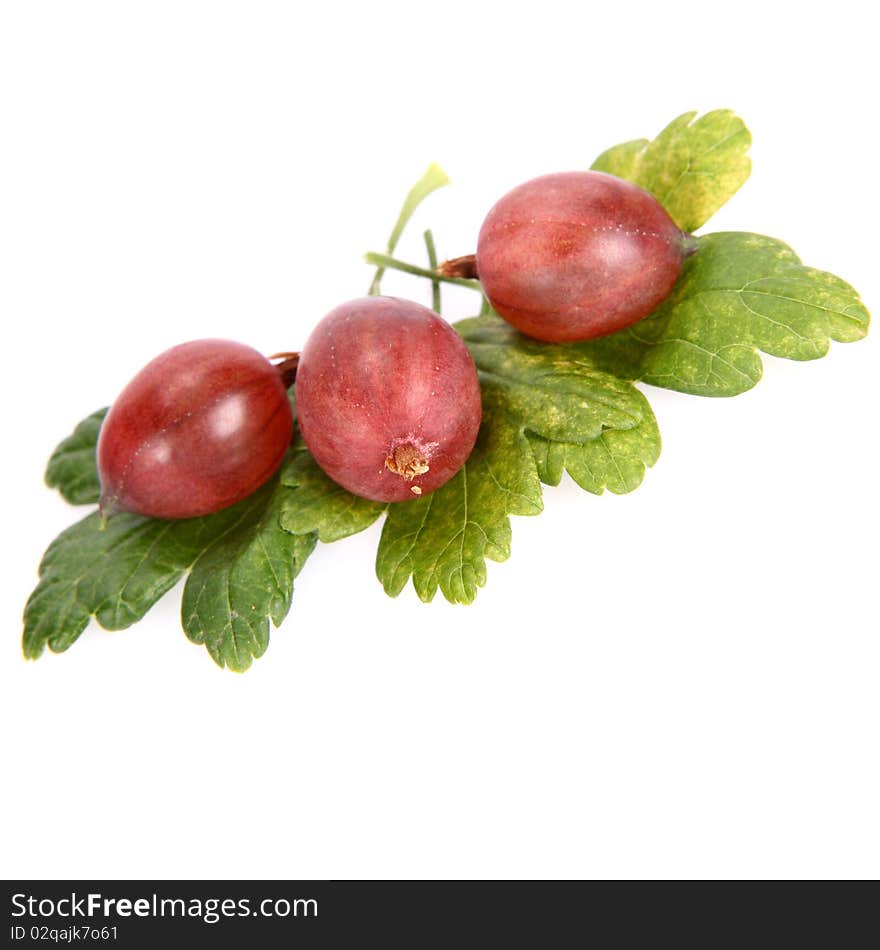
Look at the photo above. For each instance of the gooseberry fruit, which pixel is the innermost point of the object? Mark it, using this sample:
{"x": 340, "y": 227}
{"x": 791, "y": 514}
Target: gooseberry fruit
{"x": 387, "y": 398}
{"x": 578, "y": 255}
{"x": 199, "y": 428}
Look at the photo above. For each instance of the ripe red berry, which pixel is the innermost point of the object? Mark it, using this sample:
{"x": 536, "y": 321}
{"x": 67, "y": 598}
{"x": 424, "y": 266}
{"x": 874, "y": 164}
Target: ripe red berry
{"x": 387, "y": 398}
{"x": 199, "y": 428}
{"x": 577, "y": 255}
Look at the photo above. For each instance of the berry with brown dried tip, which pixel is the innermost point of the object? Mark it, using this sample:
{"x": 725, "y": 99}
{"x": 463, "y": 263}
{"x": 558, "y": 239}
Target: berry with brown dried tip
{"x": 387, "y": 398}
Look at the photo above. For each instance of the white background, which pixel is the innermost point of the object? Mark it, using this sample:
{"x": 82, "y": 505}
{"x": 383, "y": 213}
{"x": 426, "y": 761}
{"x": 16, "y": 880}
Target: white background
{"x": 679, "y": 682}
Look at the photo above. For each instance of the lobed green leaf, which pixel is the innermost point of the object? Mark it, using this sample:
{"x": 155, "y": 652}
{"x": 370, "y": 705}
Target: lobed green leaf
{"x": 113, "y": 573}
{"x": 616, "y": 460}
{"x": 241, "y": 566}
{"x": 545, "y": 408}
{"x": 739, "y": 293}
{"x": 623, "y": 160}
{"x": 444, "y": 539}
{"x": 693, "y": 166}
{"x": 243, "y": 578}
{"x": 317, "y": 505}
{"x": 72, "y": 468}
{"x": 556, "y": 391}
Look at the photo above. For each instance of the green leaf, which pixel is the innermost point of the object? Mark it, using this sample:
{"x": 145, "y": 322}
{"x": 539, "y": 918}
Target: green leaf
{"x": 545, "y": 408}
{"x": 242, "y": 579}
{"x": 554, "y": 390}
{"x": 616, "y": 460}
{"x": 577, "y": 416}
{"x": 444, "y": 539}
{"x": 433, "y": 179}
{"x": 739, "y": 293}
{"x": 693, "y": 166}
{"x": 317, "y": 505}
{"x": 242, "y": 562}
{"x": 623, "y": 160}
{"x": 114, "y": 574}
{"x": 72, "y": 468}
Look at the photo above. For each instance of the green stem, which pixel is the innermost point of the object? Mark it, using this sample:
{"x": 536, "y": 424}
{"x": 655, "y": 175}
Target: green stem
{"x": 391, "y": 263}
{"x": 690, "y": 244}
{"x": 433, "y": 179}
{"x": 432, "y": 260}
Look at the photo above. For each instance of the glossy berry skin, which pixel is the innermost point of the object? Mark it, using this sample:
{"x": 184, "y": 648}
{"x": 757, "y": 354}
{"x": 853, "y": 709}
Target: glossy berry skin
{"x": 577, "y": 255}
{"x": 387, "y": 398}
{"x": 199, "y": 428}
